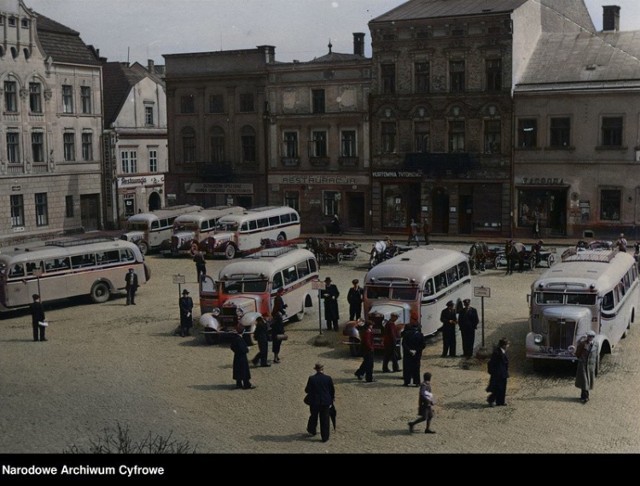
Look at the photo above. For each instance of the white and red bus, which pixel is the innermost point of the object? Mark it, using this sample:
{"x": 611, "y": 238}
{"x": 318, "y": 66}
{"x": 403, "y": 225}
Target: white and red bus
{"x": 246, "y": 288}
{"x": 60, "y": 269}
{"x": 195, "y": 229}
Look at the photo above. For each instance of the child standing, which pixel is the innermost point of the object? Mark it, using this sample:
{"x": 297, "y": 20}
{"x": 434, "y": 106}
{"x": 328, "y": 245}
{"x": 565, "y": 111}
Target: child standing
{"x": 425, "y": 405}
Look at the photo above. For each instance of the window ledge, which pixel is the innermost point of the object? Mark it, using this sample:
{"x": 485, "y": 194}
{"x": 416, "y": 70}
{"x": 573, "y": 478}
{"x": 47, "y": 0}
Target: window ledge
{"x": 525, "y": 149}
{"x": 564, "y": 149}
{"x": 611, "y": 147}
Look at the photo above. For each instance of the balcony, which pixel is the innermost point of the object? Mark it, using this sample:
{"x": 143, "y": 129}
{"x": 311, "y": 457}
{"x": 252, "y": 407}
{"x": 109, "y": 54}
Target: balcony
{"x": 351, "y": 162}
{"x": 39, "y": 168}
{"x": 319, "y": 161}
{"x": 15, "y": 169}
{"x": 290, "y": 161}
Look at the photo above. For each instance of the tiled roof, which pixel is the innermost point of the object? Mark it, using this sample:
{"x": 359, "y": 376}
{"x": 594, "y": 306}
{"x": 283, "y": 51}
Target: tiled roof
{"x": 117, "y": 81}
{"x": 62, "y": 43}
{"x": 337, "y": 57}
{"x": 582, "y": 58}
{"x": 422, "y": 9}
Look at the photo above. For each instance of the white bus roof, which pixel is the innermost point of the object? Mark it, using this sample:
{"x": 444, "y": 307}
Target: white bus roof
{"x": 209, "y": 213}
{"x": 417, "y": 264}
{"x": 264, "y": 212}
{"x": 266, "y": 262}
{"x": 163, "y": 213}
{"x": 602, "y": 269}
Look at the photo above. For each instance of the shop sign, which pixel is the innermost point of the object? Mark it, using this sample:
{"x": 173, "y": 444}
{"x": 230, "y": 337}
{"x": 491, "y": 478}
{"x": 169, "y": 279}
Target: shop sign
{"x": 218, "y": 188}
{"x": 140, "y": 181}
{"x": 396, "y": 174}
{"x": 543, "y": 181}
{"x": 318, "y": 179}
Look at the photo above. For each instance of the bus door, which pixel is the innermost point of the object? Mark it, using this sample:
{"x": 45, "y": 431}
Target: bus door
{"x": 155, "y": 234}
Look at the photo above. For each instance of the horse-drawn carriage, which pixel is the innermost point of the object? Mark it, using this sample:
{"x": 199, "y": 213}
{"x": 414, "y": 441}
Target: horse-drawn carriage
{"x": 481, "y": 256}
{"x": 330, "y": 251}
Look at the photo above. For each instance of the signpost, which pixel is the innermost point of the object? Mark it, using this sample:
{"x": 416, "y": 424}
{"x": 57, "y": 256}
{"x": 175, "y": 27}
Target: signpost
{"x": 319, "y": 286}
{"x": 482, "y": 292}
{"x": 179, "y": 279}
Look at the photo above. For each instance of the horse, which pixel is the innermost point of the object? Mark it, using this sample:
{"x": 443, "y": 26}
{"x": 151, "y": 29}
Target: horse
{"x": 478, "y": 256}
{"x": 514, "y": 252}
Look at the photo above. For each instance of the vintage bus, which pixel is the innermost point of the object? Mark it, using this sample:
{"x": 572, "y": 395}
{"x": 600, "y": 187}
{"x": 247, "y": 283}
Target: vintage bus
{"x": 591, "y": 290}
{"x": 246, "y": 288}
{"x": 150, "y": 230}
{"x": 60, "y": 269}
{"x": 243, "y": 233}
{"x": 415, "y": 285}
{"x": 194, "y": 230}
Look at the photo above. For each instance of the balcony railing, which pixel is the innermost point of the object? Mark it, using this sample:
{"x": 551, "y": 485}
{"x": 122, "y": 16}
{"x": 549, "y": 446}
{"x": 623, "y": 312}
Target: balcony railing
{"x": 15, "y": 169}
{"x": 290, "y": 161}
{"x": 39, "y": 168}
{"x": 348, "y": 161}
{"x": 319, "y": 161}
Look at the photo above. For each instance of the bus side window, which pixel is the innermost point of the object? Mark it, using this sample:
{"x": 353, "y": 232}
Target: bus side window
{"x": 290, "y": 275}
{"x": 313, "y": 266}
{"x": 17, "y": 270}
{"x": 31, "y": 266}
{"x": 303, "y": 269}
{"x": 274, "y": 220}
{"x": 208, "y": 284}
{"x": 155, "y": 224}
{"x": 277, "y": 281}
{"x": 428, "y": 287}
{"x": 294, "y": 217}
{"x": 171, "y": 220}
{"x": 244, "y": 227}
{"x": 126, "y": 255}
{"x": 285, "y": 218}
{"x": 441, "y": 282}
{"x": 263, "y": 223}
{"x": 607, "y": 301}
{"x": 463, "y": 269}
{"x": 452, "y": 275}
{"x": 253, "y": 225}
{"x": 205, "y": 225}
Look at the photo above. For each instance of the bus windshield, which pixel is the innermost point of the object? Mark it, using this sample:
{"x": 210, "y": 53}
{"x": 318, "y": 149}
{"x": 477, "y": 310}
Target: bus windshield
{"x": 570, "y": 299}
{"x": 395, "y": 293}
{"x": 139, "y": 226}
{"x": 244, "y": 286}
{"x": 186, "y": 226}
{"x": 227, "y": 226}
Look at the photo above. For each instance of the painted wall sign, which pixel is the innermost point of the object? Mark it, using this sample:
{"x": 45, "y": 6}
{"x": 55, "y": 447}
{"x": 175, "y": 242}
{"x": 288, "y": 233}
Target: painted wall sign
{"x": 218, "y": 188}
{"x": 548, "y": 181}
{"x": 395, "y": 174}
{"x": 125, "y": 181}
{"x": 303, "y": 179}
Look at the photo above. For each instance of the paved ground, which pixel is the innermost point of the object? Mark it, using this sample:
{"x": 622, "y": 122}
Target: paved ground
{"x": 110, "y": 363}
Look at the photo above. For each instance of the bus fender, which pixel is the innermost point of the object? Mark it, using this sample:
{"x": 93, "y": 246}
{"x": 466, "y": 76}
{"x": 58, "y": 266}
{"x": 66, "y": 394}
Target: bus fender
{"x": 209, "y": 323}
{"x": 249, "y": 321}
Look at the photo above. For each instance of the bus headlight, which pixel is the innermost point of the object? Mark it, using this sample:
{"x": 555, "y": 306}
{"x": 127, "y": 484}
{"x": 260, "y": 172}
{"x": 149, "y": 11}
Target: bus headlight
{"x": 239, "y": 312}
{"x": 537, "y": 339}
{"x": 215, "y": 312}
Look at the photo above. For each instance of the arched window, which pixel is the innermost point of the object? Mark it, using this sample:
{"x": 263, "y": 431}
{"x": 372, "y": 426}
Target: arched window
{"x": 188, "y": 145}
{"x": 248, "y": 140}
{"x": 217, "y": 145}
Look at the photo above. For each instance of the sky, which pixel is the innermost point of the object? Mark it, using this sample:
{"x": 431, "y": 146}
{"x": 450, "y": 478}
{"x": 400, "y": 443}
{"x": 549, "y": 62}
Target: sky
{"x": 137, "y": 30}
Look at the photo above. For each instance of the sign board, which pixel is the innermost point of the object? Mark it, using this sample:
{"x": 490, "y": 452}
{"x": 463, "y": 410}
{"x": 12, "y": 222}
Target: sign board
{"x": 179, "y": 279}
{"x": 481, "y": 291}
{"x": 318, "y": 285}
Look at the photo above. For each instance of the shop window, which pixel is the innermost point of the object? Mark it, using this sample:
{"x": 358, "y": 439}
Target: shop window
{"x": 610, "y": 204}
{"x": 330, "y": 202}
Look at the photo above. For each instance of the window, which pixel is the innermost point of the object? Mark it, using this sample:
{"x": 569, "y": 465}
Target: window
{"x": 421, "y": 137}
{"x": 67, "y": 98}
{"x": 456, "y": 136}
{"x": 10, "y": 97}
{"x": 246, "y": 102}
{"x": 35, "y": 97}
{"x": 292, "y": 199}
{"x": 187, "y": 104}
{"x": 12, "y": 21}
{"x": 153, "y": 160}
{"x": 319, "y": 143}
{"x": 494, "y": 74}
{"x": 87, "y": 146}
{"x": 348, "y": 144}
{"x": 527, "y": 133}
{"x": 42, "y": 217}
{"x": 85, "y": 98}
{"x": 68, "y": 206}
{"x": 148, "y": 115}
{"x": 560, "y": 132}
{"x": 24, "y": 23}
{"x": 330, "y": 203}
{"x": 317, "y": 96}
{"x": 492, "y": 130}
{"x": 388, "y": 132}
{"x": 456, "y": 76}
{"x": 129, "y": 161}
{"x": 610, "y": 204}
{"x": 69, "y": 142}
{"x": 188, "y": 145}
{"x": 612, "y": 131}
{"x": 388, "y": 78}
{"x": 291, "y": 144}
{"x": 216, "y": 103}
{"x": 17, "y": 210}
{"x": 217, "y": 145}
{"x": 37, "y": 146}
{"x": 248, "y": 140}
{"x": 13, "y": 148}
{"x": 421, "y": 77}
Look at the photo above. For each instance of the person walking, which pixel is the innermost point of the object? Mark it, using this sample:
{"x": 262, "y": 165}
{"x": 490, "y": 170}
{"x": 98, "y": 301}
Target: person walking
{"x": 201, "y": 264}
{"x": 37, "y": 319}
{"x": 425, "y": 405}
{"x": 331, "y": 313}
{"x": 241, "y": 371}
{"x": 468, "y": 322}
{"x": 277, "y": 324}
{"x": 390, "y": 343}
{"x": 413, "y": 233}
{"x": 412, "y": 346}
{"x": 366, "y": 368}
{"x": 587, "y": 352}
{"x": 131, "y": 285}
{"x": 498, "y": 368}
{"x": 320, "y": 397}
{"x": 621, "y": 243}
{"x": 186, "y": 313}
{"x": 355, "y": 297}
{"x": 261, "y": 335}
{"x": 449, "y": 321}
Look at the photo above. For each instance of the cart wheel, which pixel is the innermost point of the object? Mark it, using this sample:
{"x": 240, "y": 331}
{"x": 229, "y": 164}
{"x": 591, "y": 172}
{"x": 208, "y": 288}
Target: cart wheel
{"x": 551, "y": 259}
{"x": 339, "y": 257}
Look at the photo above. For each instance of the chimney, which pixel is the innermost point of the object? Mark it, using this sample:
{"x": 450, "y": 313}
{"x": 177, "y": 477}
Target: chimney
{"x": 151, "y": 66}
{"x": 269, "y": 53}
{"x": 610, "y": 18}
{"x": 358, "y": 43}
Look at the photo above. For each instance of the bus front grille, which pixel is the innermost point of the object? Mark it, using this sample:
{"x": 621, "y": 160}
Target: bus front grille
{"x": 561, "y": 333}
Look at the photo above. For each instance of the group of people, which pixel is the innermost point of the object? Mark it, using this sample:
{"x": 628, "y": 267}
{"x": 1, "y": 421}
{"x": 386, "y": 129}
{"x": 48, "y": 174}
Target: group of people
{"x": 466, "y": 318}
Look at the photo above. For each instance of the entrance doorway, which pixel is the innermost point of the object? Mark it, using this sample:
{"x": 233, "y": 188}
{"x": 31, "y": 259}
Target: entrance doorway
{"x": 89, "y": 211}
{"x": 440, "y": 217}
{"x": 155, "y": 202}
{"x": 355, "y": 208}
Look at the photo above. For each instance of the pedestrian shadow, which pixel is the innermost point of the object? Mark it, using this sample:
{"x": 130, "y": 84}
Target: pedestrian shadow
{"x": 555, "y": 399}
{"x": 18, "y": 340}
{"x": 215, "y": 386}
{"x": 467, "y": 405}
{"x": 393, "y": 433}
{"x": 282, "y": 438}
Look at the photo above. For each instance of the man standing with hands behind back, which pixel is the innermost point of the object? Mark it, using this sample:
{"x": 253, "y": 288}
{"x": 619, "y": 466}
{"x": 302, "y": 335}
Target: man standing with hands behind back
{"x": 468, "y": 321}
{"x": 131, "y": 285}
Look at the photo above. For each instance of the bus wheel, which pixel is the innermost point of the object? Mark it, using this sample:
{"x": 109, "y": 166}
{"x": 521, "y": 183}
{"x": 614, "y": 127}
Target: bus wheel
{"x": 144, "y": 248}
{"x": 211, "y": 338}
{"x": 230, "y": 252}
{"x": 100, "y": 292}
{"x": 281, "y": 237}
{"x": 298, "y": 316}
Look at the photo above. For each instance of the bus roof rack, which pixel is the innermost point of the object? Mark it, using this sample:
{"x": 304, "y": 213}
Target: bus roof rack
{"x": 603, "y": 256}
{"x": 78, "y": 242}
{"x": 272, "y": 252}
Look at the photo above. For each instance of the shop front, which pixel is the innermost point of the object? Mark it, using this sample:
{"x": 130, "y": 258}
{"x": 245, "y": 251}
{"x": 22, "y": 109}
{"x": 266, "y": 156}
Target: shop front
{"x": 398, "y": 194}
{"x": 542, "y": 207}
{"x": 209, "y": 194}
{"x": 139, "y": 194}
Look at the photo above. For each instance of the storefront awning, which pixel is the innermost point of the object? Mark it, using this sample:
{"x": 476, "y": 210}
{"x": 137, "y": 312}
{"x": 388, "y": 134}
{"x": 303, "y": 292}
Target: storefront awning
{"x": 441, "y": 164}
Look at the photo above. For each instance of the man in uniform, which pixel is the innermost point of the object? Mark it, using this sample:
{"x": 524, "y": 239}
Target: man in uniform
{"x": 449, "y": 321}
{"x": 320, "y": 395}
{"x": 241, "y": 371}
{"x": 412, "y": 346}
{"x": 354, "y": 297}
{"x": 131, "y": 285}
{"x": 37, "y": 319}
{"x": 331, "y": 313}
{"x": 468, "y": 321}
{"x": 186, "y": 313}
{"x": 366, "y": 368}
{"x": 261, "y": 335}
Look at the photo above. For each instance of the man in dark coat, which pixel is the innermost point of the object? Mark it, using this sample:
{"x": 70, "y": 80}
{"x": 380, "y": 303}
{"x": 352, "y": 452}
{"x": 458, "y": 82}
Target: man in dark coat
{"x": 277, "y": 324}
{"x": 587, "y": 354}
{"x": 330, "y": 295}
{"x": 186, "y": 313}
{"x": 468, "y": 321}
{"x": 498, "y": 368}
{"x": 320, "y": 397}
{"x": 366, "y": 368}
{"x": 131, "y": 285}
{"x": 354, "y": 297}
{"x": 201, "y": 265}
{"x": 390, "y": 342}
{"x": 412, "y": 346}
{"x": 449, "y": 321}
{"x": 241, "y": 372}
{"x": 261, "y": 335}
{"x": 37, "y": 316}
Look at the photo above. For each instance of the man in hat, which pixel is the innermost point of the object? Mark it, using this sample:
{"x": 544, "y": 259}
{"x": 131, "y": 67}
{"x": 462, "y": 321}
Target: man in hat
{"x": 412, "y": 347}
{"x": 186, "y": 313}
{"x": 277, "y": 324}
{"x": 131, "y": 285}
{"x": 330, "y": 295}
{"x": 261, "y": 335}
{"x": 354, "y": 297}
{"x": 587, "y": 353}
{"x": 241, "y": 371}
{"x": 37, "y": 319}
{"x": 468, "y": 321}
{"x": 320, "y": 397}
{"x": 366, "y": 345}
{"x": 449, "y": 321}
{"x": 390, "y": 337}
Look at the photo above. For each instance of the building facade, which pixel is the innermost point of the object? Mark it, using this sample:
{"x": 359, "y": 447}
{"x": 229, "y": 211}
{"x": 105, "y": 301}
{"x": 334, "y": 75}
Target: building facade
{"x": 134, "y": 141}
{"x": 50, "y": 158}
